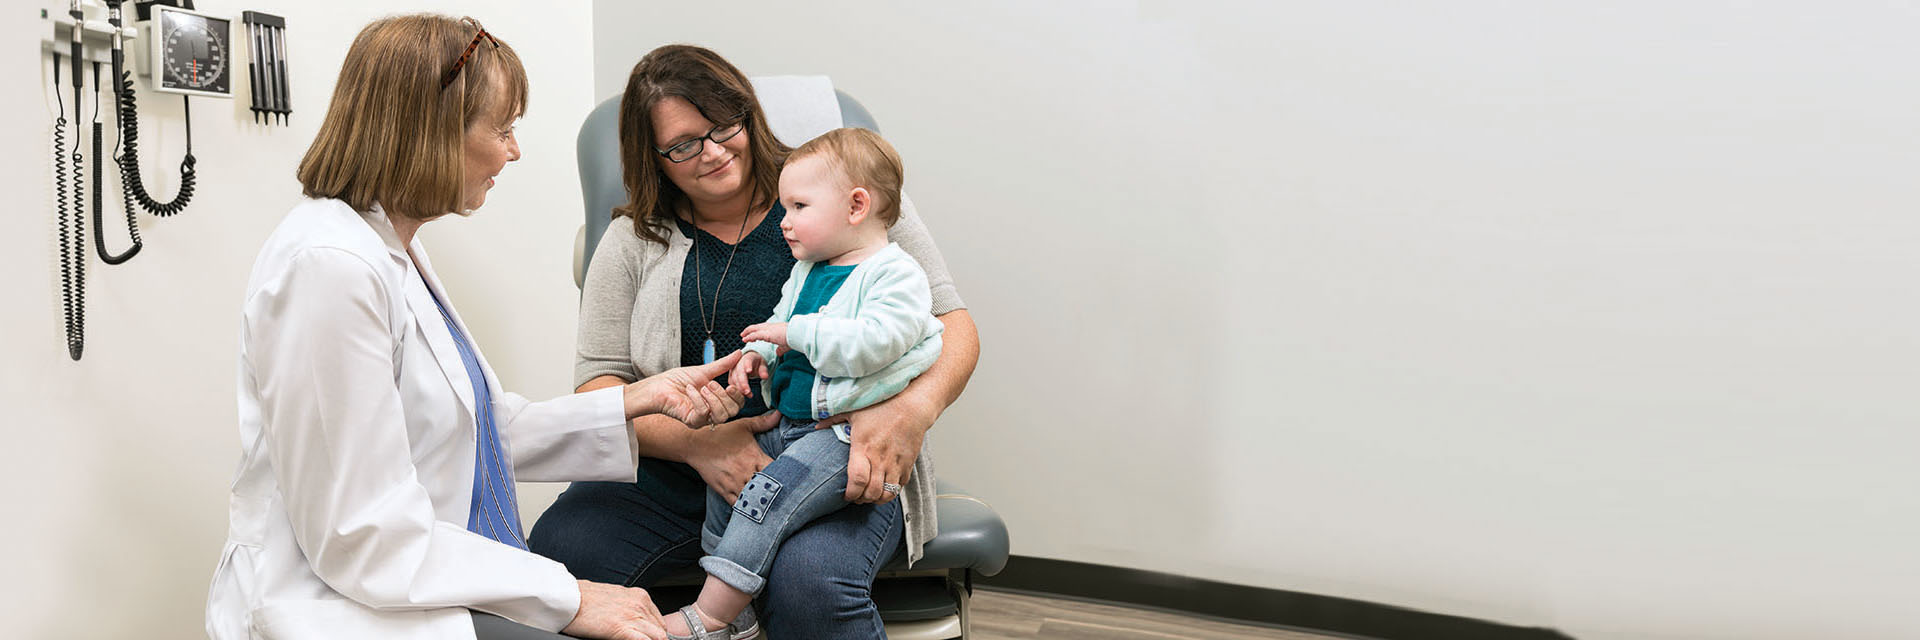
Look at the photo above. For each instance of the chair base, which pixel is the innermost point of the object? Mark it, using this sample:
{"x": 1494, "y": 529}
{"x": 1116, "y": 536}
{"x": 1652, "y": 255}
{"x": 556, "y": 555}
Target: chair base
{"x": 945, "y": 627}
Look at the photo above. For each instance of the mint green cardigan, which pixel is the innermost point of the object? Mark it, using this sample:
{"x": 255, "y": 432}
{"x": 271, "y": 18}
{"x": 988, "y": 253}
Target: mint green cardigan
{"x": 868, "y": 341}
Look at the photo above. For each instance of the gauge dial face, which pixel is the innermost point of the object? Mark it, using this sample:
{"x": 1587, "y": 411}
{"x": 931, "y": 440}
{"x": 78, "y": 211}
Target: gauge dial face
{"x": 194, "y": 52}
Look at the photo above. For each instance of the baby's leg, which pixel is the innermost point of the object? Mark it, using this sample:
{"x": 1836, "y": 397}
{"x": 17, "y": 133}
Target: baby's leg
{"x": 720, "y": 603}
{"x": 807, "y": 481}
{"x": 718, "y": 513}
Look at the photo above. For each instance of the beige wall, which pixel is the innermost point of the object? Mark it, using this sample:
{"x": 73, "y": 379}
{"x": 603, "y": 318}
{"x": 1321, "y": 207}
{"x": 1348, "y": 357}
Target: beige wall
{"x": 1598, "y": 316}
{"x": 118, "y": 464}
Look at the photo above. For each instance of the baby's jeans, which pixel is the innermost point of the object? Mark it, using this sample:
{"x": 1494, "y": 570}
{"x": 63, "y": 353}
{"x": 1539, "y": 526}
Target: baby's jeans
{"x": 807, "y": 479}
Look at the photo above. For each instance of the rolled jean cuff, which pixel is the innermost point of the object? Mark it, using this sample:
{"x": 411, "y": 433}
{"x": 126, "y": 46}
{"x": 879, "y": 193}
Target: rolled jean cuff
{"x": 708, "y": 539}
{"x": 733, "y": 574}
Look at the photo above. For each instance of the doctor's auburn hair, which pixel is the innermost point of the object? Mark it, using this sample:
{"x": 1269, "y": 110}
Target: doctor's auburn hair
{"x": 392, "y": 135}
{"x": 868, "y": 162}
{"x": 721, "y": 93}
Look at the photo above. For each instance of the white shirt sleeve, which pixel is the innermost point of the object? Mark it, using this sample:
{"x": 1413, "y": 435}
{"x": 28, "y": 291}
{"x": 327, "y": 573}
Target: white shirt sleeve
{"x": 584, "y": 436}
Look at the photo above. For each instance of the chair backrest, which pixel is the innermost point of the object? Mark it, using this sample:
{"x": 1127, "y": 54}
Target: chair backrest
{"x": 598, "y": 152}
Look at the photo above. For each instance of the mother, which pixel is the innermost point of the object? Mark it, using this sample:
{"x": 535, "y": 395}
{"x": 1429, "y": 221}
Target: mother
{"x": 697, "y": 255}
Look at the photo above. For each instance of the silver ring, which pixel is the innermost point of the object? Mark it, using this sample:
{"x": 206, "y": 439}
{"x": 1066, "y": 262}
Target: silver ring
{"x": 890, "y": 488}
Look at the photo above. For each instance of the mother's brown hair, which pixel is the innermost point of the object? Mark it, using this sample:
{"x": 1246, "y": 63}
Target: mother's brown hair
{"x": 722, "y": 94}
{"x": 393, "y": 135}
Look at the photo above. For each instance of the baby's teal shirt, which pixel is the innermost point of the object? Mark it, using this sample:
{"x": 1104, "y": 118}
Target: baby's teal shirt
{"x": 793, "y": 375}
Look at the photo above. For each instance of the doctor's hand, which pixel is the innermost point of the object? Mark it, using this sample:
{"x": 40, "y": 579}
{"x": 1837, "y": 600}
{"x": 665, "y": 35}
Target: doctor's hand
{"x": 687, "y": 394}
{"x": 726, "y": 455}
{"x": 616, "y": 613}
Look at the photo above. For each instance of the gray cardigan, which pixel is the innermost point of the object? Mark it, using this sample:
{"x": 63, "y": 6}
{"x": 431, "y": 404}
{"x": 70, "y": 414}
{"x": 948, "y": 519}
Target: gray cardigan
{"x": 630, "y": 325}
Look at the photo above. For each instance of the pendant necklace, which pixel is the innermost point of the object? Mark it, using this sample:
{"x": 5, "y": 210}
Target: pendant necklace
{"x": 706, "y": 322}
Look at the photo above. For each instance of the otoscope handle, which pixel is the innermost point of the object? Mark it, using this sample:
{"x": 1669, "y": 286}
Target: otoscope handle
{"x": 77, "y": 32}
{"x": 119, "y": 46}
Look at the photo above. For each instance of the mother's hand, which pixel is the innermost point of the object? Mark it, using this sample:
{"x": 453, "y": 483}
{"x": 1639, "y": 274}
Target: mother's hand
{"x": 616, "y": 613}
{"x": 727, "y": 456}
{"x": 886, "y": 441}
{"x": 687, "y": 394}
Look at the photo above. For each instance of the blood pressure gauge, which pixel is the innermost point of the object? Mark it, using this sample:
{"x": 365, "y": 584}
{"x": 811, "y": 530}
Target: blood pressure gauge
{"x": 192, "y": 53}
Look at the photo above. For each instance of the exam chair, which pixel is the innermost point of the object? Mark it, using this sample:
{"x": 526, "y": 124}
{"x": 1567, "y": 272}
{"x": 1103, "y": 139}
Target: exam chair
{"x": 928, "y": 602}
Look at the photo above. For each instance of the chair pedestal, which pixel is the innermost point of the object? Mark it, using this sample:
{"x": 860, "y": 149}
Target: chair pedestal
{"x": 929, "y": 601}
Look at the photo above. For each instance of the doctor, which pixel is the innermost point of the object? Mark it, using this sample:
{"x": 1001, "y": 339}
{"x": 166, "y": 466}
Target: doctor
{"x": 375, "y": 495}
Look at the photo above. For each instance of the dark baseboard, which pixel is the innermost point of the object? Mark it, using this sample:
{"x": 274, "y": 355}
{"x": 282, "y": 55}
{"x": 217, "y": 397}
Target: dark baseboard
{"x": 1240, "y": 603}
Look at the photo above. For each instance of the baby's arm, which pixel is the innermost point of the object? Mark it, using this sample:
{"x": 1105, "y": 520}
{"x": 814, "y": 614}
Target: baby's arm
{"x": 774, "y": 333}
{"x": 894, "y": 314}
{"x": 755, "y": 340}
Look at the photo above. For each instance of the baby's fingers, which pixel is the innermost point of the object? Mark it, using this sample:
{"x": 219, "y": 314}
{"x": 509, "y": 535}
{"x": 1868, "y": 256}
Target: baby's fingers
{"x": 738, "y": 380}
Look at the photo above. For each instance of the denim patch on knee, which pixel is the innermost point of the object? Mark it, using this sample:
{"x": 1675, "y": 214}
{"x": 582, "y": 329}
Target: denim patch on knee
{"x": 757, "y": 497}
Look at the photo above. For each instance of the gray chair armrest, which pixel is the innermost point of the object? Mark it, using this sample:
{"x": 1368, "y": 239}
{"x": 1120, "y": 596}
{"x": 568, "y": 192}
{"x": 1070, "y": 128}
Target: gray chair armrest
{"x": 971, "y": 536}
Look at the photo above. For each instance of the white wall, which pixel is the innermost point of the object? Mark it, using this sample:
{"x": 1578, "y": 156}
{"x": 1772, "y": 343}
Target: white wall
{"x": 1591, "y": 316}
{"x": 118, "y": 464}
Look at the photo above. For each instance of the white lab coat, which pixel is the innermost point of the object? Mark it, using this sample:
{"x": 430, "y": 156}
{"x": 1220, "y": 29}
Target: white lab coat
{"x": 348, "y": 513}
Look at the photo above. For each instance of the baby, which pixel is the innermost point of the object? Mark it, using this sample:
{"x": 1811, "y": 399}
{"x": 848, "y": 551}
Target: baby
{"x": 852, "y": 328}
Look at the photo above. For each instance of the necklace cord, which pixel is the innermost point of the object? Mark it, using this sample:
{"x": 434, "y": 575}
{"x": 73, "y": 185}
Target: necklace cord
{"x": 698, "y": 289}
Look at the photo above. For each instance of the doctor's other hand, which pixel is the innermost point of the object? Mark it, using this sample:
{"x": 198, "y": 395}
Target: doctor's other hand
{"x": 616, "y": 613}
{"x": 687, "y": 394}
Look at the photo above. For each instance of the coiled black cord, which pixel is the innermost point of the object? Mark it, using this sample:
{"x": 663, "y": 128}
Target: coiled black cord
{"x": 99, "y": 226}
{"x": 73, "y": 233}
{"x": 129, "y": 157}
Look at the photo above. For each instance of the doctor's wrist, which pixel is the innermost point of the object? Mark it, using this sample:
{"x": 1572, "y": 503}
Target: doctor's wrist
{"x": 638, "y": 400}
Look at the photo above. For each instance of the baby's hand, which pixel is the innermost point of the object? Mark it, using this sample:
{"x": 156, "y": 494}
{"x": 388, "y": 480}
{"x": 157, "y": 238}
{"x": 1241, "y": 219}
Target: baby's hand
{"x": 774, "y": 332}
{"x": 750, "y": 365}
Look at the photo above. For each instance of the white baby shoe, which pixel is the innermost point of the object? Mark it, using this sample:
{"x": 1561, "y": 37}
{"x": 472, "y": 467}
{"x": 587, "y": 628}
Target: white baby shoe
{"x": 745, "y": 627}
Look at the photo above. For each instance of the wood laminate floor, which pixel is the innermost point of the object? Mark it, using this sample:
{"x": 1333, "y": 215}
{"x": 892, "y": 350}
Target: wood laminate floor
{"x": 1010, "y": 616}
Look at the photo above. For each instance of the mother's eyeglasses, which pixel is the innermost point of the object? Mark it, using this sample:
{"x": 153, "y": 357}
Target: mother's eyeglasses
{"x": 468, "y": 54}
{"x": 688, "y": 150}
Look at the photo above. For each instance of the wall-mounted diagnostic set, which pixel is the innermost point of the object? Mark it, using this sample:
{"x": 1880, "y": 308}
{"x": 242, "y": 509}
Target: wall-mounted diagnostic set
{"x": 184, "y": 52}
{"x": 267, "y": 42}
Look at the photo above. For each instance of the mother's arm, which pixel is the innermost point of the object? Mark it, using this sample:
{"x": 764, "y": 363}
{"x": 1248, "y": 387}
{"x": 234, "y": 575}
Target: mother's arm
{"x": 887, "y": 436}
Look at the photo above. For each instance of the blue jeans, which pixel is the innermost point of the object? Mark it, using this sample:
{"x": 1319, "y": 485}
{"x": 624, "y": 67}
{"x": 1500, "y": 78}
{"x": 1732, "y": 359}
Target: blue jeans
{"x": 637, "y": 533}
{"x": 807, "y": 479}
